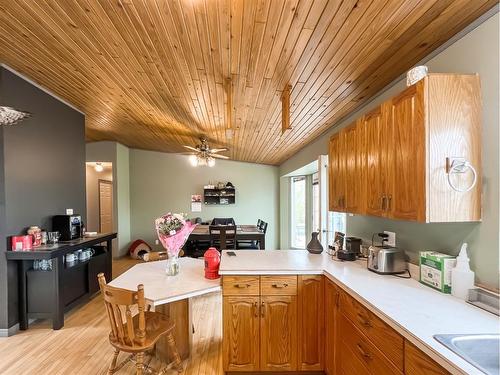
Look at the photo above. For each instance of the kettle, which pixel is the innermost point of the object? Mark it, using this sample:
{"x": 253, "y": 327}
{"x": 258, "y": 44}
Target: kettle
{"x": 386, "y": 260}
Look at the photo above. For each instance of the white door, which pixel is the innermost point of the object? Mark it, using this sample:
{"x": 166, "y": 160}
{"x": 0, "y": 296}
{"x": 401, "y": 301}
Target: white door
{"x": 323, "y": 199}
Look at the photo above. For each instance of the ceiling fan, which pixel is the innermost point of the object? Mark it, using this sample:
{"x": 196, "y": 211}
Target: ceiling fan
{"x": 204, "y": 155}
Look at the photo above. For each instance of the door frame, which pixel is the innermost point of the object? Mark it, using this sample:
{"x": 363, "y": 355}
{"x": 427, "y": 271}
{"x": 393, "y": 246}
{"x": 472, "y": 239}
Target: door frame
{"x": 107, "y": 182}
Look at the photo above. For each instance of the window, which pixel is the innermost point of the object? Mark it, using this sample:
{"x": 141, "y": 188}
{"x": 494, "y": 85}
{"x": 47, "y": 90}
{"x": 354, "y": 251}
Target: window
{"x": 315, "y": 203}
{"x": 298, "y": 212}
{"x": 337, "y": 223}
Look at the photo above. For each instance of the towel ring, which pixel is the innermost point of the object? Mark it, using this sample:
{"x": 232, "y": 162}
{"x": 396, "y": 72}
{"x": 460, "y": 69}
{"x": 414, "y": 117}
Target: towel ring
{"x": 459, "y": 166}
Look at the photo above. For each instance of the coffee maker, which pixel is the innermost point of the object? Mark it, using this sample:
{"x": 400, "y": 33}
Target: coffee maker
{"x": 68, "y": 226}
{"x": 352, "y": 249}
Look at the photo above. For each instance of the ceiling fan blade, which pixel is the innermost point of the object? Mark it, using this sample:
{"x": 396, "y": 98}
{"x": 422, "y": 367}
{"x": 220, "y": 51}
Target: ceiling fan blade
{"x": 219, "y": 156}
{"x": 191, "y": 148}
{"x": 215, "y": 150}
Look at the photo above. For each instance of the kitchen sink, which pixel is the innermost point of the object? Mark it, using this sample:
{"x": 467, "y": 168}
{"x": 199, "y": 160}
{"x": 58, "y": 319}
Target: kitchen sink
{"x": 481, "y": 351}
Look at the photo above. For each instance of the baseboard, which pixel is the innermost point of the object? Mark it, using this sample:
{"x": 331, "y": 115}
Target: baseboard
{"x": 11, "y": 331}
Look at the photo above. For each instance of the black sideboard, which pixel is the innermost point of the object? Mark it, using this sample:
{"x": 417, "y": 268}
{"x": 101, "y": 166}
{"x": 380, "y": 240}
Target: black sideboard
{"x": 49, "y": 294}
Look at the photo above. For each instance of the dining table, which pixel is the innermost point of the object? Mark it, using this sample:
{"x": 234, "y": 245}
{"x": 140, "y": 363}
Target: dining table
{"x": 243, "y": 233}
{"x": 171, "y": 295}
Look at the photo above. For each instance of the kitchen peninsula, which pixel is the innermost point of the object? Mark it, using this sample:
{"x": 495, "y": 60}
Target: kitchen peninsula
{"x": 295, "y": 311}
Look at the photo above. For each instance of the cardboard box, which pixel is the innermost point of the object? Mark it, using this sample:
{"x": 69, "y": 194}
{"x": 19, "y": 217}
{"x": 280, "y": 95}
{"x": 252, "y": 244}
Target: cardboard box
{"x": 435, "y": 270}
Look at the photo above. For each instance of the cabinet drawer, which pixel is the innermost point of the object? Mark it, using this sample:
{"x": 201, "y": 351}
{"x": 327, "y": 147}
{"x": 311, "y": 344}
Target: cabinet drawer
{"x": 356, "y": 352}
{"x": 240, "y": 285}
{"x": 381, "y": 334}
{"x": 278, "y": 285}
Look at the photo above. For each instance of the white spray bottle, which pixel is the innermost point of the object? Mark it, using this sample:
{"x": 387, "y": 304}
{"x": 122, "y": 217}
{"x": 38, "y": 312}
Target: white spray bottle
{"x": 462, "y": 278}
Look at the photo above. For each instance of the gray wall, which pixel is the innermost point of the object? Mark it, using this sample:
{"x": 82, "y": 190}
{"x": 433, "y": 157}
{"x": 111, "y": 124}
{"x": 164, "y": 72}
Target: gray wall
{"x": 161, "y": 182}
{"x": 44, "y": 171}
{"x": 476, "y": 52}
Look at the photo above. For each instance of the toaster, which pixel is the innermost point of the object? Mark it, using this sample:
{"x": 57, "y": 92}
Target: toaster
{"x": 386, "y": 260}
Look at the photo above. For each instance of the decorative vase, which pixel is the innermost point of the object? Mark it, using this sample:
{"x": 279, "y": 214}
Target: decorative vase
{"x": 172, "y": 265}
{"x": 314, "y": 246}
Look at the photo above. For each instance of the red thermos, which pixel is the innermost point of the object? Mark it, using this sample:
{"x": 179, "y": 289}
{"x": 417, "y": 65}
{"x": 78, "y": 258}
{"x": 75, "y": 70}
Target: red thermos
{"x": 212, "y": 262}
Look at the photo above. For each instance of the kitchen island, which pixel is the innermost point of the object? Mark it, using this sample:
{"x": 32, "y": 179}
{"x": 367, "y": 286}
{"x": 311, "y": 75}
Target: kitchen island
{"x": 295, "y": 308}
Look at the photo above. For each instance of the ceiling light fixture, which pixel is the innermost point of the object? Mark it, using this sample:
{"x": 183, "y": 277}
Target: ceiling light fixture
{"x": 98, "y": 167}
{"x": 204, "y": 155}
{"x": 11, "y": 116}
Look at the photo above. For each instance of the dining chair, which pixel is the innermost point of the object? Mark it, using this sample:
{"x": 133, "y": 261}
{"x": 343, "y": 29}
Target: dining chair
{"x": 223, "y": 237}
{"x": 250, "y": 244}
{"x": 135, "y": 334}
{"x": 223, "y": 221}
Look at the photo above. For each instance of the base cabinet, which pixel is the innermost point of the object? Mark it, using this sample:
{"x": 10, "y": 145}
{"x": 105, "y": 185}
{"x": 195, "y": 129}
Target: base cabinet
{"x": 240, "y": 345}
{"x": 278, "y": 333}
{"x": 310, "y": 325}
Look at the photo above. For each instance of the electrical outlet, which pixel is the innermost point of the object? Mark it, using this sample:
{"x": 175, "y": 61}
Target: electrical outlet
{"x": 391, "y": 240}
{"x": 157, "y": 242}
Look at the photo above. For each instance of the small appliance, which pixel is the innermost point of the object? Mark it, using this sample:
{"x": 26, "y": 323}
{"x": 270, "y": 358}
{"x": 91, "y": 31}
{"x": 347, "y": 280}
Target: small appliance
{"x": 386, "y": 260}
{"x": 212, "y": 263}
{"x": 22, "y": 243}
{"x": 353, "y": 245}
{"x": 68, "y": 226}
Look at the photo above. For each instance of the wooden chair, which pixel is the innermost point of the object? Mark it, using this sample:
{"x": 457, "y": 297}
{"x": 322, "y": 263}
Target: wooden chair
{"x": 136, "y": 334}
{"x": 223, "y": 221}
{"x": 223, "y": 237}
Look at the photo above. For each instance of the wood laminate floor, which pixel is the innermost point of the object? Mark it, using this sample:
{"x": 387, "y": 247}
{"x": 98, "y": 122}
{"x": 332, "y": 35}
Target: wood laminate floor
{"x": 81, "y": 346}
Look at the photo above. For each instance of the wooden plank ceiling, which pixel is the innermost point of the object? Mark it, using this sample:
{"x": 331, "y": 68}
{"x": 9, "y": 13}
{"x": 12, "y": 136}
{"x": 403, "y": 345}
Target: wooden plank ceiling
{"x": 151, "y": 74}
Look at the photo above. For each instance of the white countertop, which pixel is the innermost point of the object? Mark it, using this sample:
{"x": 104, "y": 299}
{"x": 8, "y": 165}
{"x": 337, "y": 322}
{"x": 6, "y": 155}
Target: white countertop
{"x": 160, "y": 288}
{"x": 417, "y": 312}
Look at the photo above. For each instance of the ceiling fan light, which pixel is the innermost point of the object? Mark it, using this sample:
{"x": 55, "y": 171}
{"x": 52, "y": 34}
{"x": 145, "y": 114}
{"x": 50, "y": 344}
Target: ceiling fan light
{"x": 11, "y": 116}
{"x": 193, "y": 159}
{"x": 210, "y": 162}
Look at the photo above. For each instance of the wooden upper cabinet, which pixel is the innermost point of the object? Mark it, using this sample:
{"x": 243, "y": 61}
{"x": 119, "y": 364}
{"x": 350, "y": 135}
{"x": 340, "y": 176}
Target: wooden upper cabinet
{"x": 311, "y": 322}
{"x": 354, "y": 151}
{"x": 406, "y": 155}
{"x": 376, "y": 137}
{"x": 336, "y": 175}
{"x": 417, "y": 362}
{"x": 240, "y": 343}
{"x": 406, "y": 149}
{"x": 278, "y": 333}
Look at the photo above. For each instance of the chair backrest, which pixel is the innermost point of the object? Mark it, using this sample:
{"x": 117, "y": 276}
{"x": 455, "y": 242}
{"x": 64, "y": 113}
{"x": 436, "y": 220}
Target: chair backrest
{"x": 119, "y": 305}
{"x": 223, "y": 234}
{"x": 259, "y": 223}
{"x": 263, "y": 226}
{"x": 223, "y": 221}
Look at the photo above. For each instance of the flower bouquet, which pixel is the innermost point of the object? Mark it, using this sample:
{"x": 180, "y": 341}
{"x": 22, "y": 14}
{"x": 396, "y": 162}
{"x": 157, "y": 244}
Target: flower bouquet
{"x": 173, "y": 230}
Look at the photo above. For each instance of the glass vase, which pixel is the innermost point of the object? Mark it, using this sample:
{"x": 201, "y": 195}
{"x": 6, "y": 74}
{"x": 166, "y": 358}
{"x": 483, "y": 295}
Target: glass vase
{"x": 172, "y": 265}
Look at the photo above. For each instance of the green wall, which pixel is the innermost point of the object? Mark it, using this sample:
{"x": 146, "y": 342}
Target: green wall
{"x": 475, "y": 52}
{"x": 161, "y": 182}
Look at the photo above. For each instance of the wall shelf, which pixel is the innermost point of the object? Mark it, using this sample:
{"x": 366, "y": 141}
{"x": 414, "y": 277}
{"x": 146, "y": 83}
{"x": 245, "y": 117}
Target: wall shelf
{"x": 222, "y": 197}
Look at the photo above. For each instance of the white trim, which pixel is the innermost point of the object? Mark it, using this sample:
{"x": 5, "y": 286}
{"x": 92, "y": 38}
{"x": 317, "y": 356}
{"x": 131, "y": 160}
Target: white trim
{"x": 20, "y": 75}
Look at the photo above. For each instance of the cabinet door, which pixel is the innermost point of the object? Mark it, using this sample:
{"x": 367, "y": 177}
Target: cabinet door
{"x": 331, "y": 296}
{"x": 240, "y": 343}
{"x": 336, "y": 178}
{"x": 354, "y": 149}
{"x": 311, "y": 322}
{"x": 417, "y": 362}
{"x": 406, "y": 156}
{"x": 375, "y": 128}
{"x": 278, "y": 333}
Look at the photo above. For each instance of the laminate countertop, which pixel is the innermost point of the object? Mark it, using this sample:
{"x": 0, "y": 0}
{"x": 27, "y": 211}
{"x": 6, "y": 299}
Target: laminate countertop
{"x": 414, "y": 310}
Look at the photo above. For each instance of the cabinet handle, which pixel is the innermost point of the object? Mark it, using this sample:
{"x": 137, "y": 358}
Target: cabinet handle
{"x": 389, "y": 199}
{"x": 241, "y": 286}
{"x": 255, "y": 309}
{"x": 262, "y": 309}
{"x": 337, "y": 299}
{"x": 339, "y": 202}
{"x": 363, "y": 352}
{"x": 280, "y": 286}
{"x": 364, "y": 321}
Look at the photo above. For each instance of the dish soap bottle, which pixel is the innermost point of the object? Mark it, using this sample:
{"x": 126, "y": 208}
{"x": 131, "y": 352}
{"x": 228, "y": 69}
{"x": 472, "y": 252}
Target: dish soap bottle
{"x": 462, "y": 278}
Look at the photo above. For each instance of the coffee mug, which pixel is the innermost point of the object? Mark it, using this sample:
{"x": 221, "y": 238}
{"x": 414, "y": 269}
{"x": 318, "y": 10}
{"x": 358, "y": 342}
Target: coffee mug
{"x": 70, "y": 257}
